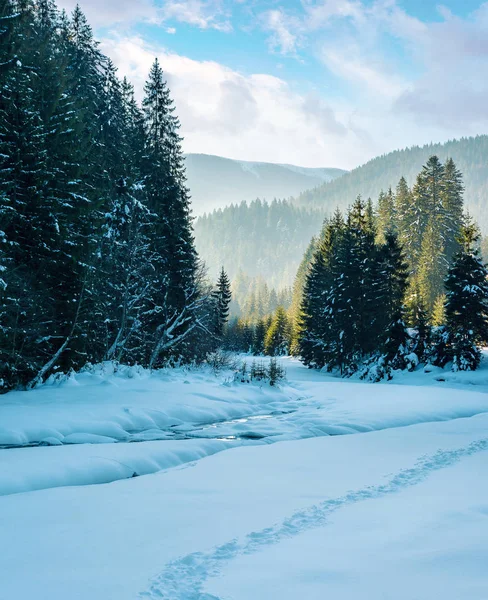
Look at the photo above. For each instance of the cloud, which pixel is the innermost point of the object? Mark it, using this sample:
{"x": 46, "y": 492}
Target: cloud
{"x": 375, "y": 79}
{"x": 253, "y": 117}
{"x": 204, "y": 14}
{"x": 284, "y": 31}
{"x": 429, "y": 72}
{"x": 451, "y": 91}
{"x": 113, "y": 12}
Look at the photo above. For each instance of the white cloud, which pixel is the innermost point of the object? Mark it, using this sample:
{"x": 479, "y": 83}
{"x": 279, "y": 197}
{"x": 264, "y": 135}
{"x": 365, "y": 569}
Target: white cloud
{"x": 254, "y": 117}
{"x": 374, "y": 79}
{"x": 437, "y": 81}
{"x": 284, "y": 31}
{"x": 205, "y": 14}
{"x": 113, "y": 12}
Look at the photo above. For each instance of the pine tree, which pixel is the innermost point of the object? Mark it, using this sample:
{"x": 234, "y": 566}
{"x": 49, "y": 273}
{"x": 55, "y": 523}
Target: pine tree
{"x": 467, "y": 304}
{"x": 438, "y": 317}
{"x": 432, "y": 266}
{"x": 386, "y": 219}
{"x": 25, "y": 224}
{"x": 415, "y": 220}
{"x": 393, "y": 281}
{"x": 174, "y": 307}
{"x": 259, "y": 337}
{"x": 314, "y": 322}
{"x": 452, "y": 204}
{"x": 403, "y": 200}
{"x": 357, "y": 291}
{"x": 221, "y": 297}
{"x": 277, "y": 340}
{"x": 297, "y": 296}
{"x": 417, "y": 318}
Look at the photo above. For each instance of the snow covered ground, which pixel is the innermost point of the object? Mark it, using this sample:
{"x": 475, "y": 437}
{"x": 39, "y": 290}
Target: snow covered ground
{"x": 206, "y": 506}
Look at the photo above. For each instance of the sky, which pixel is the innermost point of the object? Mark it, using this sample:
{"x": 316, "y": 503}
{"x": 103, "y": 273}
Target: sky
{"x": 316, "y": 83}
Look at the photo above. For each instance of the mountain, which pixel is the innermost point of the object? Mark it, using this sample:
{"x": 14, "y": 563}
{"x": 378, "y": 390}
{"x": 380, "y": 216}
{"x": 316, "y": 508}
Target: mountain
{"x": 216, "y": 182}
{"x": 469, "y": 154}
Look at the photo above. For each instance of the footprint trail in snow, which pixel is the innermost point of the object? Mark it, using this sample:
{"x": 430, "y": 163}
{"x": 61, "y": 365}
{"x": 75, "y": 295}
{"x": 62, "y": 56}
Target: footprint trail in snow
{"x": 184, "y": 578}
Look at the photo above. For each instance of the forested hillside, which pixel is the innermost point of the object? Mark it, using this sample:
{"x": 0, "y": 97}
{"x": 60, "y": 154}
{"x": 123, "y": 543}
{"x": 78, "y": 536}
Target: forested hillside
{"x": 368, "y": 180}
{"x": 216, "y": 182}
{"x": 259, "y": 239}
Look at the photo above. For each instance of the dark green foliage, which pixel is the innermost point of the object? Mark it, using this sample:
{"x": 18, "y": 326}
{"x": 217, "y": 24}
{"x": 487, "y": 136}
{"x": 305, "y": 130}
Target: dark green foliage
{"x": 97, "y": 259}
{"x": 314, "y": 319}
{"x": 467, "y": 304}
{"x": 295, "y": 311}
{"x": 221, "y": 297}
{"x": 259, "y": 336}
{"x": 276, "y": 372}
{"x": 272, "y": 371}
{"x": 416, "y": 317}
{"x": 353, "y": 296}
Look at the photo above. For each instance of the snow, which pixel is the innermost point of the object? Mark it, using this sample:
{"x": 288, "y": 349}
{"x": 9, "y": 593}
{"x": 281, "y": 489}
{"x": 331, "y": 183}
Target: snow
{"x": 130, "y": 405}
{"x": 24, "y": 470}
{"x": 396, "y": 509}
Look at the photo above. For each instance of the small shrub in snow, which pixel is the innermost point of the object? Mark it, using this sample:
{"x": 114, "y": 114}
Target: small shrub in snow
{"x": 243, "y": 373}
{"x": 275, "y": 372}
{"x": 271, "y": 372}
{"x": 258, "y": 370}
{"x": 221, "y": 360}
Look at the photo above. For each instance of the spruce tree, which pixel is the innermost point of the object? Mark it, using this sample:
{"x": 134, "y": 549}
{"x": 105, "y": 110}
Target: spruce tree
{"x": 315, "y": 315}
{"x": 277, "y": 340}
{"x": 221, "y": 297}
{"x": 96, "y": 248}
{"x": 467, "y": 304}
{"x": 452, "y": 203}
{"x": 259, "y": 337}
{"x": 432, "y": 266}
{"x": 175, "y": 305}
{"x": 386, "y": 216}
{"x": 297, "y": 295}
{"x": 393, "y": 281}
{"x": 417, "y": 318}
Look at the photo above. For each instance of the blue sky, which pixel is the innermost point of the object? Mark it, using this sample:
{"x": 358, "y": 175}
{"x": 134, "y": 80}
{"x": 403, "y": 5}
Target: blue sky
{"x": 311, "y": 82}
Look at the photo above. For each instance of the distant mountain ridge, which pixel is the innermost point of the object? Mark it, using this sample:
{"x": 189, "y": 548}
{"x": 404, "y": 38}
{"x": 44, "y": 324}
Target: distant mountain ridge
{"x": 368, "y": 180}
{"x": 216, "y": 182}
{"x": 270, "y": 240}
